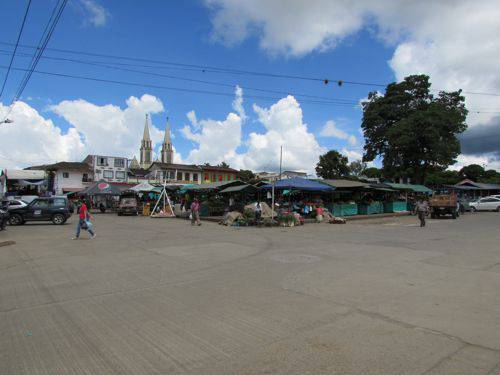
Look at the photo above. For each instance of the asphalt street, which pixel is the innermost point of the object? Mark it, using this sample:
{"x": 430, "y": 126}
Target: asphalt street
{"x": 157, "y": 296}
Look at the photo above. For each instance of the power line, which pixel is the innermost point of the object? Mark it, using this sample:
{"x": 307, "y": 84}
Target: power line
{"x": 223, "y": 70}
{"x": 15, "y": 47}
{"x": 47, "y": 34}
{"x": 216, "y": 83}
{"x": 44, "y": 40}
{"x": 138, "y": 84}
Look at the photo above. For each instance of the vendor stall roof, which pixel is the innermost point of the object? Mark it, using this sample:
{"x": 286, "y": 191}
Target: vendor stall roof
{"x": 297, "y": 183}
{"x": 17, "y": 174}
{"x": 103, "y": 188}
{"x": 143, "y": 186}
{"x": 381, "y": 187}
{"x": 344, "y": 184}
{"x": 214, "y": 185}
{"x": 239, "y": 188}
{"x": 411, "y": 187}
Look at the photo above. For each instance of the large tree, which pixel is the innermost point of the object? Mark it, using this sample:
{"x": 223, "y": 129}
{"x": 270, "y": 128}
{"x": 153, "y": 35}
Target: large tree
{"x": 373, "y": 172}
{"x": 245, "y": 175}
{"x": 357, "y": 168}
{"x": 332, "y": 165}
{"x": 473, "y": 172}
{"x": 411, "y": 129}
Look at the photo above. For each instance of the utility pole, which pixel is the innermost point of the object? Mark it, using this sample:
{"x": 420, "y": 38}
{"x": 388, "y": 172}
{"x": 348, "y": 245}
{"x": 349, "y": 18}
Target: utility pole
{"x": 281, "y": 159}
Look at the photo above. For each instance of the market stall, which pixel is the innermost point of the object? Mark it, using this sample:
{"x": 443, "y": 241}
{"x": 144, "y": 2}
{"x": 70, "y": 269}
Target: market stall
{"x": 103, "y": 195}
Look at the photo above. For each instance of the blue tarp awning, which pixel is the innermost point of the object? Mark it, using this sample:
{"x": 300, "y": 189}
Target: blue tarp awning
{"x": 297, "y": 183}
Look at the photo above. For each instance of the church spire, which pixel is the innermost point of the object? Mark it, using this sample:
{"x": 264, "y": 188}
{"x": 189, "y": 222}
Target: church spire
{"x": 146, "y": 150}
{"x": 167, "y": 151}
{"x": 166, "y": 139}
{"x": 145, "y": 136}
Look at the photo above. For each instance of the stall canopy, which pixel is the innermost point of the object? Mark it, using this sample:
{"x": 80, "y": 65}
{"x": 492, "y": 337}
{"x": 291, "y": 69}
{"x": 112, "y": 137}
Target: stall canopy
{"x": 102, "y": 188}
{"x": 239, "y": 188}
{"x": 297, "y": 183}
{"x": 143, "y": 187}
{"x": 213, "y": 186}
{"x": 410, "y": 187}
{"x": 344, "y": 184}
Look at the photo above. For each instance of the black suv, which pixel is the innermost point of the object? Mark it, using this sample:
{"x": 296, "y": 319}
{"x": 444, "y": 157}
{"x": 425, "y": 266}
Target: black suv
{"x": 55, "y": 209}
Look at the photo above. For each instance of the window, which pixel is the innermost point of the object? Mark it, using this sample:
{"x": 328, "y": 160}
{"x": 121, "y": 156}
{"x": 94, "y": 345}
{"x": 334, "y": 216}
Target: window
{"x": 39, "y": 204}
{"x": 120, "y": 175}
{"x": 187, "y": 176}
{"x": 220, "y": 177}
{"x": 172, "y": 175}
{"x": 213, "y": 177}
{"x": 65, "y": 174}
{"x": 58, "y": 202}
{"x": 120, "y": 163}
{"x": 195, "y": 177}
{"x": 102, "y": 161}
{"x": 107, "y": 174}
{"x": 179, "y": 176}
{"x": 207, "y": 177}
{"x": 85, "y": 177}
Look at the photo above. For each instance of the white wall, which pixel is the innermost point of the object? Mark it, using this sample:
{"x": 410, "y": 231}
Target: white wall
{"x": 74, "y": 181}
{"x": 99, "y": 170}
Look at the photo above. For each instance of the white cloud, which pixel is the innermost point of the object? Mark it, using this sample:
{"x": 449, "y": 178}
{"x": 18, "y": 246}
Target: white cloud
{"x": 32, "y": 139}
{"x": 352, "y": 155}
{"x": 330, "y": 129}
{"x": 452, "y": 41}
{"x": 110, "y": 129}
{"x": 95, "y": 14}
{"x": 487, "y": 161}
{"x": 219, "y": 141}
{"x": 238, "y": 103}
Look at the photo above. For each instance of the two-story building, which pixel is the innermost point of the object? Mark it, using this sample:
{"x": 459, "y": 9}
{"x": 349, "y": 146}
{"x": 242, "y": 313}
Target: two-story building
{"x": 108, "y": 168}
{"x": 217, "y": 174}
{"x": 167, "y": 172}
{"x": 66, "y": 177}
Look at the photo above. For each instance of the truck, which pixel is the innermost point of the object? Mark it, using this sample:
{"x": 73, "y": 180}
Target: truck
{"x": 444, "y": 204}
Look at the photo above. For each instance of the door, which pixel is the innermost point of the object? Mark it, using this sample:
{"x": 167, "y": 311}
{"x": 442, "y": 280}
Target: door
{"x": 38, "y": 210}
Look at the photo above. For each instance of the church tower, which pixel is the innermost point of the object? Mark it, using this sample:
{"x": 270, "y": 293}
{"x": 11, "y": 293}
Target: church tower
{"x": 167, "y": 152}
{"x": 146, "y": 147}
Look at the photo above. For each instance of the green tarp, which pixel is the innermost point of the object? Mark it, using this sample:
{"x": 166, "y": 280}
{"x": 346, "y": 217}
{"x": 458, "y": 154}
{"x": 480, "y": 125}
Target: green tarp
{"x": 410, "y": 187}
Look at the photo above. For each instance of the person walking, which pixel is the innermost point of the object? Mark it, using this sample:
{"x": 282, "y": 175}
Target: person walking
{"x": 258, "y": 213}
{"x": 84, "y": 217}
{"x": 422, "y": 209}
{"x": 195, "y": 212}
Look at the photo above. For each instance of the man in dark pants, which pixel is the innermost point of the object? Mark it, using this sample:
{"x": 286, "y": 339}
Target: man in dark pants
{"x": 422, "y": 208}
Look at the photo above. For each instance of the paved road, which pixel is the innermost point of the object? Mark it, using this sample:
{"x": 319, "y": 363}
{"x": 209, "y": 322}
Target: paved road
{"x": 156, "y": 296}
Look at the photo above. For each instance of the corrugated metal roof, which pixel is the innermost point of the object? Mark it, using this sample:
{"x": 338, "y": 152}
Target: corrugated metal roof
{"x": 25, "y": 174}
{"x": 412, "y": 187}
{"x": 342, "y": 183}
{"x": 233, "y": 189}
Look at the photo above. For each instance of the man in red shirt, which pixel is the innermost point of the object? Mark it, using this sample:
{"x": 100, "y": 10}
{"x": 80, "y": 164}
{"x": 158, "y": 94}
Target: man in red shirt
{"x": 84, "y": 216}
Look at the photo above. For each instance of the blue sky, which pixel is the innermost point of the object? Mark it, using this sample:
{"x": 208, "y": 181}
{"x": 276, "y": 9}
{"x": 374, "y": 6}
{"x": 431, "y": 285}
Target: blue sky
{"x": 186, "y": 32}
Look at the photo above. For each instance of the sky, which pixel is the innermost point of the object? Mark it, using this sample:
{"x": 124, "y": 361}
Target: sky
{"x": 240, "y": 118}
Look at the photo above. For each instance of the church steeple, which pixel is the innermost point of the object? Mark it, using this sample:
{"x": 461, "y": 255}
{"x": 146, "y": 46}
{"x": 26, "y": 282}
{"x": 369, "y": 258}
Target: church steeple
{"x": 167, "y": 151}
{"x": 146, "y": 146}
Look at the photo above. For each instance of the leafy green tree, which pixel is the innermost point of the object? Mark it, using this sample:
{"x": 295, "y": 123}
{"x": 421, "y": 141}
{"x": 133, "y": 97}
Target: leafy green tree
{"x": 245, "y": 175}
{"x": 491, "y": 176}
{"x": 223, "y": 165}
{"x": 441, "y": 177}
{"x": 373, "y": 172}
{"x": 332, "y": 165}
{"x": 473, "y": 172}
{"x": 411, "y": 129}
{"x": 357, "y": 168}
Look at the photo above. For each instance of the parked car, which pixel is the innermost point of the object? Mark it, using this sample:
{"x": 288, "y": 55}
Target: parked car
{"x": 4, "y": 218}
{"x": 55, "y": 209}
{"x": 127, "y": 205}
{"x": 486, "y": 204}
{"x": 13, "y": 203}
